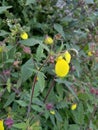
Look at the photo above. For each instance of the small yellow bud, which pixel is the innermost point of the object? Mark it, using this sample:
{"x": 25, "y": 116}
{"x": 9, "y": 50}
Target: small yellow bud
{"x": 52, "y": 112}
{"x": 48, "y": 40}
{"x": 89, "y": 53}
{"x": 73, "y": 106}
{"x": 24, "y": 35}
{"x": 67, "y": 56}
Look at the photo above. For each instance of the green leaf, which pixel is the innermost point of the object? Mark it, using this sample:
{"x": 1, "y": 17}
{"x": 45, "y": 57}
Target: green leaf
{"x": 4, "y": 8}
{"x": 58, "y": 117}
{"x": 3, "y": 33}
{"x": 39, "y": 54}
{"x": 59, "y": 29}
{"x": 89, "y": 1}
{"x": 37, "y": 108}
{"x": 79, "y": 114}
{"x": 41, "y": 81}
{"x": 21, "y": 103}
{"x": 8, "y": 85}
{"x": 27, "y": 70}
{"x": 28, "y": 2}
{"x": 31, "y": 42}
{"x": 20, "y": 126}
{"x": 74, "y": 127}
{"x": 10, "y": 100}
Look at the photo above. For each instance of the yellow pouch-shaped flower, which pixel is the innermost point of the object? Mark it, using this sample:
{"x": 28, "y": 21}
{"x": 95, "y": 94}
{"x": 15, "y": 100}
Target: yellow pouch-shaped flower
{"x": 1, "y": 125}
{"x": 74, "y": 106}
{"x": 24, "y": 35}
{"x": 61, "y": 68}
{"x": 48, "y": 40}
{"x": 67, "y": 57}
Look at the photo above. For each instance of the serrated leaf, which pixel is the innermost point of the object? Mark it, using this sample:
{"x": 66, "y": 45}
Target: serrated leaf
{"x": 4, "y": 8}
{"x": 30, "y": 2}
{"x": 31, "y": 42}
{"x": 89, "y": 1}
{"x": 11, "y": 98}
{"x": 21, "y": 103}
{"x": 74, "y": 127}
{"x": 8, "y": 85}
{"x": 39, "y": 53}
{"x": 59, "y": 29}
{"x": 41, "y": 81}
{"x": 3, "y": 33}
{"x": 27, "y": 70}
{"x": 20, "y": 126}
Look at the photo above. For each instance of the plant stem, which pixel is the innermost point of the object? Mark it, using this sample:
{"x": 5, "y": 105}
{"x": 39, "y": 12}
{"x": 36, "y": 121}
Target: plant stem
{"x": 33, "y": 86}
{"x": 49, "y": 90}
{"x": 32, "y": 93}
{"x": 92, "y": 115}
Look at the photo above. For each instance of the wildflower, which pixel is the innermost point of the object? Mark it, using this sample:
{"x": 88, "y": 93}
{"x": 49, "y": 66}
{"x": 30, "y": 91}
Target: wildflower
{"x": 61, "y": 67}
{"x": 59, "y": 58}
{"x": 1, "y": 125}
{"x": 52, "y": 112}
{"x": 73, "y": 106}
{"x": 89, "y": 53}
{"x": 67, "y": 56}
{"x": 24, "y": 35}
{"x": 9, "y": 122}
{"x": 49, "y": 106}
{"x": 48, "y": 40}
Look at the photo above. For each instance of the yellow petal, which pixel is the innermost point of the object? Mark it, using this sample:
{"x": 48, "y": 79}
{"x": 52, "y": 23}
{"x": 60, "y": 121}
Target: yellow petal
{"x": 90, "y": 53}
{"x": 52, "y": 112}
{"x": 24, "y": 35}
{"x": 61, "y": 68}
{"x": 74, "y": 106}
{"x": 48, "y": 40}
{"x": 67, "y": 56}
{"x": 59, "y": 58}
{"x": 1, "y": 125}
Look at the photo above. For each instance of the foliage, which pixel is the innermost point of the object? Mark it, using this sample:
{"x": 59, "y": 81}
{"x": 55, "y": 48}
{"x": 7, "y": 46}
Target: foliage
{"x": 31, "y": 93}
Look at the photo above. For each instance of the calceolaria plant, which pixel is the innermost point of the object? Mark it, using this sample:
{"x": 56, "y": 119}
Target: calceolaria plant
{"x": 49, "y": 65}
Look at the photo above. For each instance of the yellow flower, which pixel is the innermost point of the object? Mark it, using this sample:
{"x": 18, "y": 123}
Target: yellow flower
{"x": 61, "y": 67}
{"x": 48, "y": 40}
{"x": 73, "y": 106}
{"x": 89, "y": 53}
{"x": 52, "y": 112}
{"x": 24, "y": 35}
{"x": 1, "y": 125}
{"x": 67, "y": 56}
{"x": 59, "y": 58}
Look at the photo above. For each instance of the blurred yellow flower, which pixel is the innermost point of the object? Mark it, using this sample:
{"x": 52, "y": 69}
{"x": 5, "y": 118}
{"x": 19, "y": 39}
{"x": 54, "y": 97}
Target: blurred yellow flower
{"x": 73, "y": 106}
{"x": 24, "y": 35}
{"x": 61, "y": 67}
{"x": 48, "y": 40}
{"x": 67, "y": 56}
{"x": 89, "y": 53}
{"x": 1, "y": 125}
{"x": 52, "y": 112}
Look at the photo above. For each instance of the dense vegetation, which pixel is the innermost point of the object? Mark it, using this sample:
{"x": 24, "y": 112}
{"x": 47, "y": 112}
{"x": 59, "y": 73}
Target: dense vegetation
{"x": 49, "y": 65}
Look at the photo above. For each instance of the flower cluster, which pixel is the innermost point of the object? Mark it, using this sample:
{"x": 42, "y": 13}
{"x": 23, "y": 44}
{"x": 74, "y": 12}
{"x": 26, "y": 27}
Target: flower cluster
{"x": 62, "y": 64}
